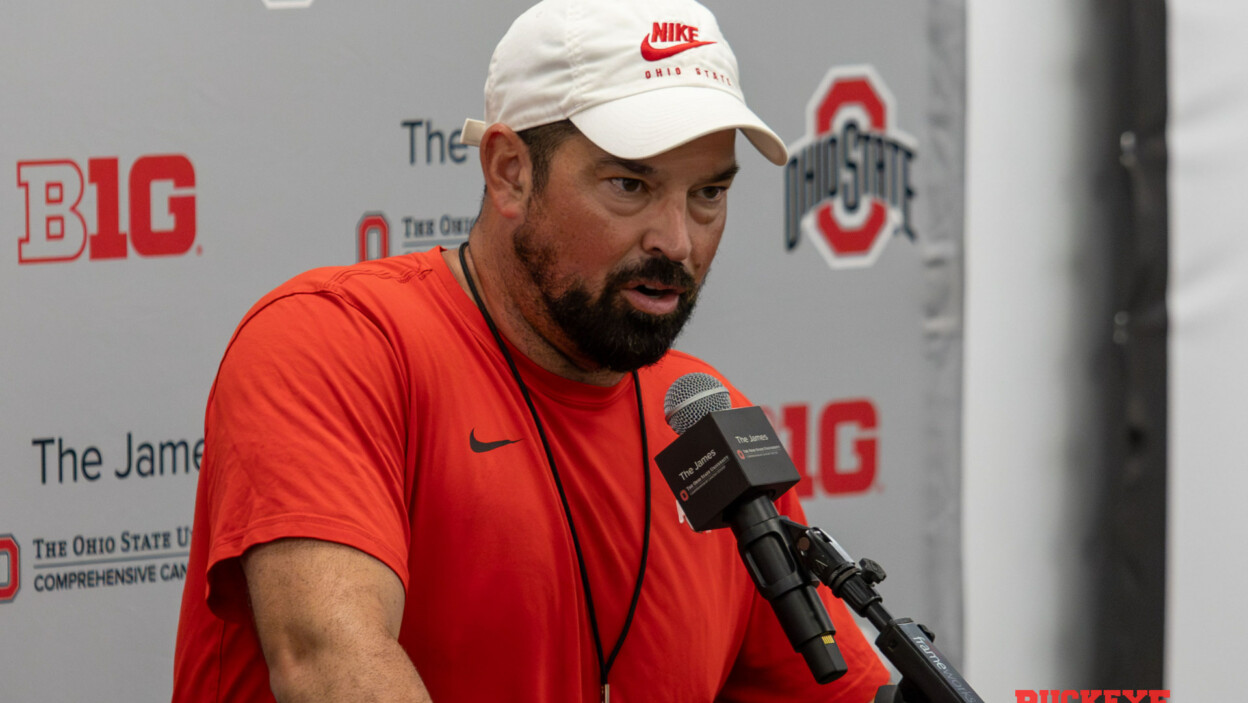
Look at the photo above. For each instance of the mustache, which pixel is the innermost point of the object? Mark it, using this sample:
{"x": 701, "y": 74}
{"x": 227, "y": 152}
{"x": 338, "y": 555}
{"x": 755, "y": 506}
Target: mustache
{"x": 659, "y": 269}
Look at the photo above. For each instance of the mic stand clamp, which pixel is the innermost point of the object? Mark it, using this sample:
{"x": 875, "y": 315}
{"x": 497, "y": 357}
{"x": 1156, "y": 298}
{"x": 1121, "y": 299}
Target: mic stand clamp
{"x": 926, "y": 675}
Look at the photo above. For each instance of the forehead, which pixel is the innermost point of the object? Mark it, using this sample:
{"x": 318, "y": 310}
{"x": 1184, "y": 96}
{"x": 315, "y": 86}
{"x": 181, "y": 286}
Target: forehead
{"x": 704, "y": 157}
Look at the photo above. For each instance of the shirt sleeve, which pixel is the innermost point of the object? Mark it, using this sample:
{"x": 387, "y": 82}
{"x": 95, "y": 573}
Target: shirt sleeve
{"x": 305, "y": 437}
{"x": 767, "y": 669}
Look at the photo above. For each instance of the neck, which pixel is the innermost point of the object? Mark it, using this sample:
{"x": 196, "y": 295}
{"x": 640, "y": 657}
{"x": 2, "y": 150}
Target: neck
{"x": 512, "y": 324}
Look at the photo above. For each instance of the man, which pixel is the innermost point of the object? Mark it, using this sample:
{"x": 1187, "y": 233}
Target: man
{"x": 429, "y": 477}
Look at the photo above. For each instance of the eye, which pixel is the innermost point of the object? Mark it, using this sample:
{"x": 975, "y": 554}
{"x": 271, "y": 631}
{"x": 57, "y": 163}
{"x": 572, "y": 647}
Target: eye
{"x": 712, "y": 193}
{"x": 628, "y": 185}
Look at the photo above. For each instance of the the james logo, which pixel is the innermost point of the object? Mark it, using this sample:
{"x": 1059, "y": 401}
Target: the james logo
{"x": 685, "y": 37}
{"x": 161, "y": 208}
{"x": 10, "y": 568}
{"x": 848, "y": 181}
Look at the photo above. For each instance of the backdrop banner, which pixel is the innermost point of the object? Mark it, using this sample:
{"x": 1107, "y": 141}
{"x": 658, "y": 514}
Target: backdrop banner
{"x": 169, "y": 163}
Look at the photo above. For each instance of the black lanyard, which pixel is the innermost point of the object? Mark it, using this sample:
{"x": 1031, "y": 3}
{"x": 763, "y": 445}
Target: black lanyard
{"x": 604, "y": 663}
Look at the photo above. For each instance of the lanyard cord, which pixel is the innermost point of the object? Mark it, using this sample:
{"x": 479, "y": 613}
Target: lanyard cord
{"x": 604, "y": 663}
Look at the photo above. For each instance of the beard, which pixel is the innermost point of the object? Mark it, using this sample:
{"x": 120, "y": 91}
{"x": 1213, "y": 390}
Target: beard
{"x": 605, "y": 328}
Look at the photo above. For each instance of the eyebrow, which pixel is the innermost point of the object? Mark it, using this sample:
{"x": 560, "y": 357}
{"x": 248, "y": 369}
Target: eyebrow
{"x": 642, "y": 169}
{"x": 727, "y": 174}
{"x": 636, "y": 167}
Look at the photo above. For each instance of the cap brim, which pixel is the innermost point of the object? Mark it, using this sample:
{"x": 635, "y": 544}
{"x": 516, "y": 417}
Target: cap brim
{"x": 650, "y": 123}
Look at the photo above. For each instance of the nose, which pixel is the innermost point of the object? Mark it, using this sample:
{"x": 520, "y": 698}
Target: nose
{"x": 670, "y": 233}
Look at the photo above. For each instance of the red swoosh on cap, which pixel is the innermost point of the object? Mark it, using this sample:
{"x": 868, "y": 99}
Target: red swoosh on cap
{"x": 650, "y": 53}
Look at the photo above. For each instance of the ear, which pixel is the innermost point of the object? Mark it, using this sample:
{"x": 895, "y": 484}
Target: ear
{"x": 507, "y": 169}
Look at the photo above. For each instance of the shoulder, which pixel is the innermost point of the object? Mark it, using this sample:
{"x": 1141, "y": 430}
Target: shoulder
{"x": 384, "y": 291}
{"x": 373, "y": 308}
{"x": 355, "y": 283}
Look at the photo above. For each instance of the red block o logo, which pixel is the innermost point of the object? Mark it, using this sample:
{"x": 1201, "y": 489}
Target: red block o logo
{"x": 845, "y": 93}
{"x": 10, "y": 568}
{"x": 848, "y": 184}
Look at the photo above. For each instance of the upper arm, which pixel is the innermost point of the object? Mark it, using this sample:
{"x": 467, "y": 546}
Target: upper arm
{"x": 318, "y": 604}
{"x": 305, "y": 437}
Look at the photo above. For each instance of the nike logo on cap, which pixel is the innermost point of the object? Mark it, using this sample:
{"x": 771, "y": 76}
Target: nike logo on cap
{"x": 670, "y": 32}
{"x": 481, "y": 447}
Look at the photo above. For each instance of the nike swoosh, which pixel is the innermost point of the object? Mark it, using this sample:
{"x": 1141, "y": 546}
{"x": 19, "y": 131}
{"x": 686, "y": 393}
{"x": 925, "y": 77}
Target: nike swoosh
{"x": 481, "y": 447}
{"x": 650, "y": 53}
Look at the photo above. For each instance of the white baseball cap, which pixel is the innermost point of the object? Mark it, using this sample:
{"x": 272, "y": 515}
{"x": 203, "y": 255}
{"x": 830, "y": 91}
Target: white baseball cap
{"x": 636, "y": 77}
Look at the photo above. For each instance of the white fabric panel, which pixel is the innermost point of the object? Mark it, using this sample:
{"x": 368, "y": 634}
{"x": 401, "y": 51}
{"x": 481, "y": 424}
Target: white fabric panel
{"x": 1207, "y": 564}
{"x": 1036, "y": 257}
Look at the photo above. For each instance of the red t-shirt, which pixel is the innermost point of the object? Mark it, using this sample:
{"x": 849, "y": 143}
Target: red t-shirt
{"x": 345, "y": 410}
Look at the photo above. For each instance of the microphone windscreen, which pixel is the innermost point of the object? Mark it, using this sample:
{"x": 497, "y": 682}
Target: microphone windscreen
{"x": 691, "y": 398}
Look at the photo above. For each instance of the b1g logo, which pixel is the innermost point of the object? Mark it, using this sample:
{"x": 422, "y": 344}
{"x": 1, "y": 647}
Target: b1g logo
{"x": 848, "y": 181}
{"x": 10, "y": 568}
{"x": 161, "y": 208}
{"x": 848, "y": 445}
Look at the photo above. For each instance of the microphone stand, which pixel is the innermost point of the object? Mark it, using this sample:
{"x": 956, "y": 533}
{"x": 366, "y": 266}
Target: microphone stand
{"x": 926, "y": 675}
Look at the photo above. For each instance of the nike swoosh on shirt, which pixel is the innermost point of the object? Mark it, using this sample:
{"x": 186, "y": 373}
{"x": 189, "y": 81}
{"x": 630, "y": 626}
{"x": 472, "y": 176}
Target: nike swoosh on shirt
{"x": 481, "y": 447}
{"x": 651, "y": 53}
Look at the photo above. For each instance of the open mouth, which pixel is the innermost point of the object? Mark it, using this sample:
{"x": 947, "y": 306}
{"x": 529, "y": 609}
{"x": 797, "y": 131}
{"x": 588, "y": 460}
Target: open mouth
{"x": 654, "y": 292}
{"x": 654, "y": 298}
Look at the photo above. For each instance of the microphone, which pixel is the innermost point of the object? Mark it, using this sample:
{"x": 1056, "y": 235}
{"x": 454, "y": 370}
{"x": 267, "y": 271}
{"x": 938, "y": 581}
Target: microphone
{"x": 726, "y": 469}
